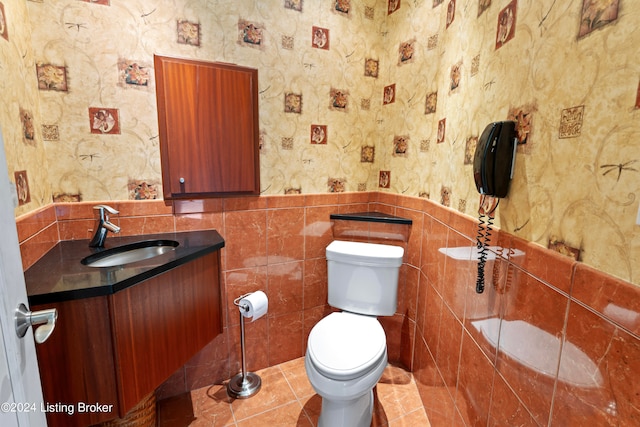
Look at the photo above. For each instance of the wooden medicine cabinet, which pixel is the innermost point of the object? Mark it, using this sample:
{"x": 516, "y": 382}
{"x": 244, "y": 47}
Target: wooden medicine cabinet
{"x": 209, "y": 130}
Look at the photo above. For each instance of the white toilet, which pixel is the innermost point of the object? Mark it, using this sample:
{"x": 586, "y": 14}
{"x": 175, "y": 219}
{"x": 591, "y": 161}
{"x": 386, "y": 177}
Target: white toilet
{"x": 347, "y": 350}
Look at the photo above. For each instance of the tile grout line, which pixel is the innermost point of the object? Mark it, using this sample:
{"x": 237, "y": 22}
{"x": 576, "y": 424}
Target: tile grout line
{"x": 406, "y": 382}
{"x": 233, "y": 415}
{"x": 296, "y": 395}
{"x": 273, "y": 408}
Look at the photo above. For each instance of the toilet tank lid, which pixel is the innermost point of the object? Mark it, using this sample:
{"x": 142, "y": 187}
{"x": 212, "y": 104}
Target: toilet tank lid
{"x": 365, "y": 253}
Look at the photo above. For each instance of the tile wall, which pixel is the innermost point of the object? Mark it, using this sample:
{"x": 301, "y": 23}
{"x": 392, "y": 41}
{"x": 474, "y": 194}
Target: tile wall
{"x": 550, "y": 341}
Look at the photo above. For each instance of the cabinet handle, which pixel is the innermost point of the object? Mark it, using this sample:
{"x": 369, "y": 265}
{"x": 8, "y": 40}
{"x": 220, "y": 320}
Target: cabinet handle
{"x": 181, "y": 180}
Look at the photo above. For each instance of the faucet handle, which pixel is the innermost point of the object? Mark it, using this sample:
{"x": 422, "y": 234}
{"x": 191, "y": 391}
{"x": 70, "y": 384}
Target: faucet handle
{"x": 106, "y": 208}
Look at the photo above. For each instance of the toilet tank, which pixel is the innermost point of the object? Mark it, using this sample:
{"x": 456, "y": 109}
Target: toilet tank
{"x": 363, "y": 277}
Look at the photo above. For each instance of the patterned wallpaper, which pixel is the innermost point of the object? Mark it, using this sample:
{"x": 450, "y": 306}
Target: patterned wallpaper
{"x": 19, "y": 109}
{"x": 355, "y": 95}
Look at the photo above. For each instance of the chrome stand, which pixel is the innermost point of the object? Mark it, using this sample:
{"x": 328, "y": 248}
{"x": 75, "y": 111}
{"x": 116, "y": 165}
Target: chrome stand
{"x": 245, "y": 384}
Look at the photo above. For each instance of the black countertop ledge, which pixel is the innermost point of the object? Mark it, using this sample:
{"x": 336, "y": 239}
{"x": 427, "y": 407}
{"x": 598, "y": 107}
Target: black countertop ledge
{"x": 60, "y": 276}
{"x": 372, "y": 217}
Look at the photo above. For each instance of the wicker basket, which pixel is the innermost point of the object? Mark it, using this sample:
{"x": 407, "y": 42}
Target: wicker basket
{"x": 142, "y": 415}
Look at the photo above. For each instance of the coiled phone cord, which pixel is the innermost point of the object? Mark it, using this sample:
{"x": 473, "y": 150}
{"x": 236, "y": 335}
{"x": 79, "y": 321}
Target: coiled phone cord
{"x": 488, "y": 205}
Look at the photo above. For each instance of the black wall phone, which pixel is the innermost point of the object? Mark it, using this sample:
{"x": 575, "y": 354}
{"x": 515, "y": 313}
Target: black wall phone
{"x": 492, "y": 170}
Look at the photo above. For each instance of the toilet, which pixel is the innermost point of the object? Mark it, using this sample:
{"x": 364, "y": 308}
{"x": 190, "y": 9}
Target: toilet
{"x": 347, "y": 350}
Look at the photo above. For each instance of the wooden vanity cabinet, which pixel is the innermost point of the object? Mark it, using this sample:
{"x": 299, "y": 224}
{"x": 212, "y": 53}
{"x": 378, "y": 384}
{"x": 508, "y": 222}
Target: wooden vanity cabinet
{"x": 76, "y": 363}
{"x": 116, "y": 349}
{"x": 209, "y": 129}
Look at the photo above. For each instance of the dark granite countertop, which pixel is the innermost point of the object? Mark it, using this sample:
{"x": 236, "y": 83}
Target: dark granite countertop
{"x": 372, "y": 217}
{"x": 60, "y": 276}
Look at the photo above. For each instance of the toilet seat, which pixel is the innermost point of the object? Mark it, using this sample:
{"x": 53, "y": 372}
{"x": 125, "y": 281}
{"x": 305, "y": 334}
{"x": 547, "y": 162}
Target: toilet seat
{"x": 344, "y": 346}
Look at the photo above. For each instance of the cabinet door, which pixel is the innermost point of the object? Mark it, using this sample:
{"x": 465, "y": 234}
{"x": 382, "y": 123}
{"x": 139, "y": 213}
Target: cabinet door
{"x": 161, "y": 323}
{"x": 76, "y": 363}
{"x": 228, "y": 128}
{"x": 208, "y": 119}
{"x": 177, "y": 88}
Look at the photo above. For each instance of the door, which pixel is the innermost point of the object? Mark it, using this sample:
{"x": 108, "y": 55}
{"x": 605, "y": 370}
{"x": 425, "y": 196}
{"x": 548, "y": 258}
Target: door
{"x": 20, "y": 390}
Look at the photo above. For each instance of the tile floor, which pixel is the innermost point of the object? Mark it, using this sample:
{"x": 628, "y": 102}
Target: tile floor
{"x": 287, "y": 399}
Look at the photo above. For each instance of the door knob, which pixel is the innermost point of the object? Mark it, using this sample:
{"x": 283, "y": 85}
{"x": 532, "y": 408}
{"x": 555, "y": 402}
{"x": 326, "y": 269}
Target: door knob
{"x": 25, "y": 318}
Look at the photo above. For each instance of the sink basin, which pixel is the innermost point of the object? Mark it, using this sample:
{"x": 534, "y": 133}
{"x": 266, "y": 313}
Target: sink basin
{"x": 129, "y": 253}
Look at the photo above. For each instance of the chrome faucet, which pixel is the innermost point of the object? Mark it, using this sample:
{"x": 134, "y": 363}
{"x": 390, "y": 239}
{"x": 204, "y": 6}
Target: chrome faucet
{"x": 103, "y": 225}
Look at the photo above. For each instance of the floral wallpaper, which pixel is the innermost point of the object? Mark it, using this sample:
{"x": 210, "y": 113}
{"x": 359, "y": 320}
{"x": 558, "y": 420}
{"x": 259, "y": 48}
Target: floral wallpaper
{"x": 355, "y": 95}
{"x": 19, "y": 109}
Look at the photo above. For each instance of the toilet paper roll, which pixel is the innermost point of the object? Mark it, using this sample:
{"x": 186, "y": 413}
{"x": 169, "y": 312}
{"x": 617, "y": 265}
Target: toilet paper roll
{"x": 254, "y": 305}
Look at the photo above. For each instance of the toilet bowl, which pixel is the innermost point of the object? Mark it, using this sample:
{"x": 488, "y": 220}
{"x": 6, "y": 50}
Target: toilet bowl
{"x": 347, "y": 350}
{"x": 346, "y": 356}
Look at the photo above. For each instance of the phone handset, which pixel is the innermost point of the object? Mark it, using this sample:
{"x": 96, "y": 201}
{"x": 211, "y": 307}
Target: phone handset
{"x": 488, "y": 205}
{"x": 493, "y": 165}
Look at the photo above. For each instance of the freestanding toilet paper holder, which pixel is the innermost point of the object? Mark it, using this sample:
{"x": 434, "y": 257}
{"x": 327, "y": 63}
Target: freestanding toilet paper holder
{"x": 244, "y": 384}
